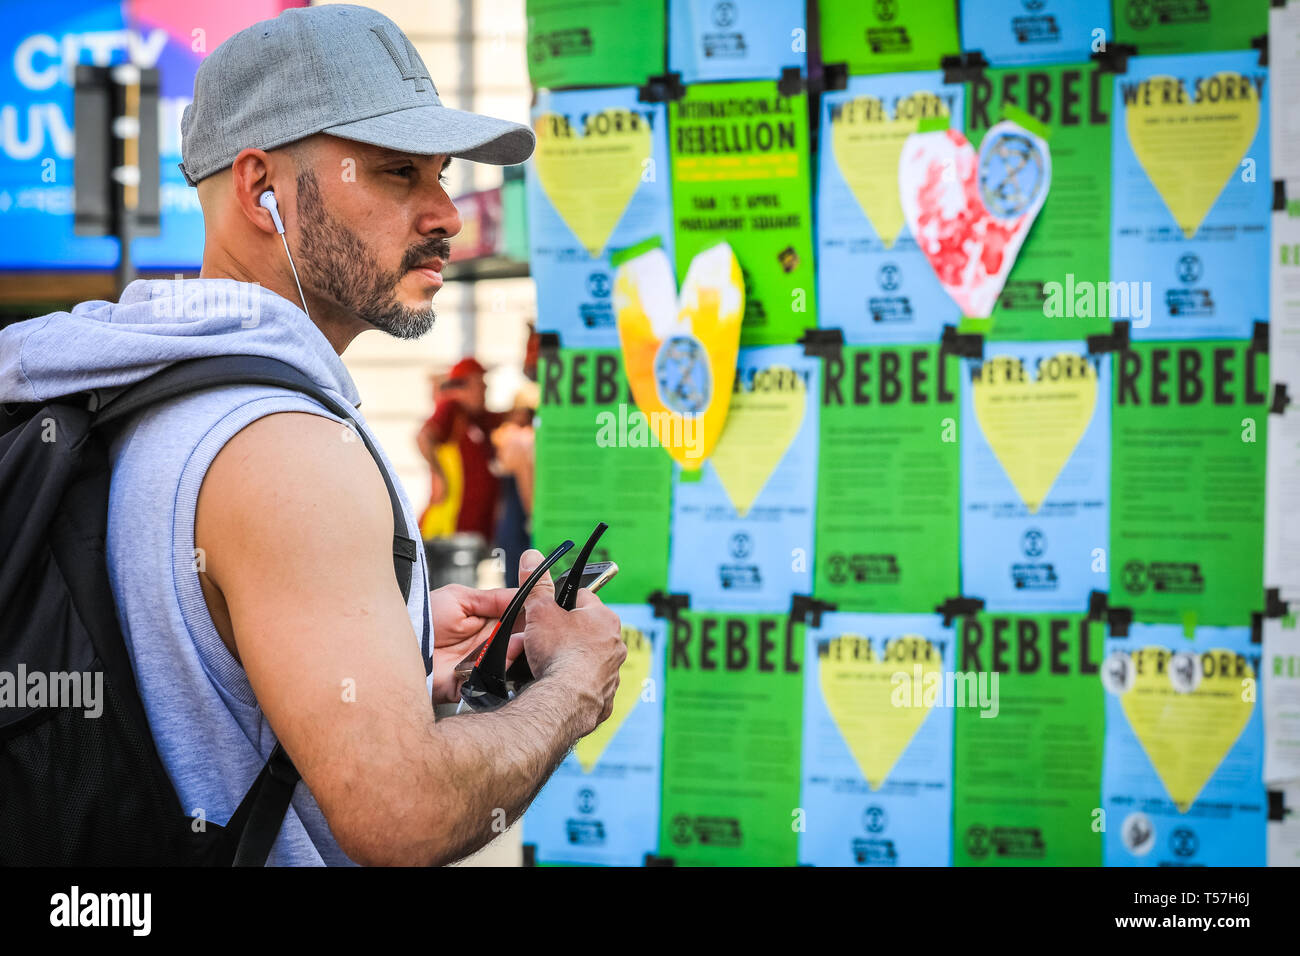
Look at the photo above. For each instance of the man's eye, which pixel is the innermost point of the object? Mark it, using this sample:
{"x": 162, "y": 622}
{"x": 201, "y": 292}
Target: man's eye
{"x": 406, "y": 172}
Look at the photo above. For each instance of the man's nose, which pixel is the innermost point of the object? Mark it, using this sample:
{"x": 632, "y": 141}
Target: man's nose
{"x": 440, "y": 216}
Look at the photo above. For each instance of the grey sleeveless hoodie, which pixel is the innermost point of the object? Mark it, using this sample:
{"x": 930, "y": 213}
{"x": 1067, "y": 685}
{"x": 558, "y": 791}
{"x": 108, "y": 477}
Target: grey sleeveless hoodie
{"x": 210, "y": 732}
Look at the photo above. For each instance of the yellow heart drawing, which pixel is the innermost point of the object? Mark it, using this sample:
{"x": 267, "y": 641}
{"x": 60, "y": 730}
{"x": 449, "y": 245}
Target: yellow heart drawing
{"x": 762, "y": 423}
{"x": 860, "y": 693}
{"x": 590, "y": 179}
{"x": 1186, "y": 734}
{"x": 679, "y": 352}
{"x": 1189, "y": 150}
{"x": 631, "y": 677}
{"x": 867, "y": 145}
{"x": 1034, "y": 426}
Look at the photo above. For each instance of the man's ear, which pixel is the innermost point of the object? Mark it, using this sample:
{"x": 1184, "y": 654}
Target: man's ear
{"x": 252, "y": 174}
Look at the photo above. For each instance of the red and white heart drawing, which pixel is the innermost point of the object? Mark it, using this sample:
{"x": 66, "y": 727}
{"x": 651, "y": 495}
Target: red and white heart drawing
{"x": 970, "y": 213}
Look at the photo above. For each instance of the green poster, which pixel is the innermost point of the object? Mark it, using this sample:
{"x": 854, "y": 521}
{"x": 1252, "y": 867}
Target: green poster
{"x": 888, "y": 487}
{"x": 1028, "y": 752}
{"x": 740, "y": 175}
{"x": 596, "y": 462}
{"x": 887, "y": 36}
{"x": 1187, "y": 482}
{"x": 1189, "y": 26}
{"x": 589, "y": 43}
{"x": 733, "y": 700}
{"x": 1067, "y": 250}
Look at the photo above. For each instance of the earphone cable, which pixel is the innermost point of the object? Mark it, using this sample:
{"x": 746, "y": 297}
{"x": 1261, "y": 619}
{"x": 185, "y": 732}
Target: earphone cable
{"x": 295, "y": 273}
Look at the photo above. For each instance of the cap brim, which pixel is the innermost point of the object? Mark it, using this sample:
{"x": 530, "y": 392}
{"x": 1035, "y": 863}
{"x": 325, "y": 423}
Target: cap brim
{"x": 442, "y": 131}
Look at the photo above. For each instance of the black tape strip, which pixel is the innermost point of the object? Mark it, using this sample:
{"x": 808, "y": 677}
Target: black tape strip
{"x": 822, "y": 343}
{"x": 1260, "y": 43}
{"x": 530, "y": 854}
{"x": 1116, "y": 341}
{"x": 548, "y": 342}
{"x": 1114, "y": 59}
{"x": 1118, "y": 620}
{"x": 1259, "y": 338}
{"x": 1280, "y": 399}
{"x": 964, "y": 344}
{"x": 652, "y": 860}
{"x": 1277, "y": 808}
{"x": 806, "y": 609}
{"x": 835, "y": 76}
{"x": 668, "y": 605}
{"x": 1257, "y": 627}
{"x": 958, "y": 606}
{"x": 1097, "y": 603}
{"x": 791, "y": 82}
{"x": 963, "y": 67}
{"x": 661, "y": 89}
{"x": 1274, "y": 606}
{"x": 1279, "y": 195}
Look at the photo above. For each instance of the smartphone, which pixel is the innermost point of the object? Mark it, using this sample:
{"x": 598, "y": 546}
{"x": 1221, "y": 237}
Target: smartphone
{"x": 594, "y": 577}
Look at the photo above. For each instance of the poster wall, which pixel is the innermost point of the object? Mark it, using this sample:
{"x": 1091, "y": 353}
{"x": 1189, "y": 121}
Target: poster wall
{"x": 986, "y": 316}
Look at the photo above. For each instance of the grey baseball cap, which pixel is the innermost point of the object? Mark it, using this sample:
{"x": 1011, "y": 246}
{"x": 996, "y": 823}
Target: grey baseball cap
{"x": 339, "y": 69}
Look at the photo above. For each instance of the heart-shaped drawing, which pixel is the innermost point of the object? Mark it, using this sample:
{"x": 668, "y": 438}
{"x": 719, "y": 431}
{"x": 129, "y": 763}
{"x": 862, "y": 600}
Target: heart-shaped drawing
{"x": 631, "y": 677}
{"x": 1033, "y": 425}
{"x": 970, "y": 213}
{"x": 591, "y": 178}
{"x": 1185, "y": 732}
{"x": 679, "y": 352}
{"x": 859, "y": 690}
{"x": 760, "y": 427}
{"x": 1190, "y": 150}
{"x": 868, "y": 144}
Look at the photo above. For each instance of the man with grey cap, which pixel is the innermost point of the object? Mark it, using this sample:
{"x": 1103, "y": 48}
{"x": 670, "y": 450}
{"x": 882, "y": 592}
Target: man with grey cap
{"x": 250, "y": 535}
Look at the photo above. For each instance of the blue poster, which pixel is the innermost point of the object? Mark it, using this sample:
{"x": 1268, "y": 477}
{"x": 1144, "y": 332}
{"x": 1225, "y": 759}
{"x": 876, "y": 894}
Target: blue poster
{"x": 41, "y": 46}
{"x": 1035, "y": 461}
{"x": 873, "y": 281}
{"x": 1192, "y": 193}
{"x": 601, "y": 806}
{"x": 710, "y": 40}
{"x": 1182, "y": 783}
{"x": 1023, "y": 32}
{"x": 742, "y": 534}
{"x": 597, "y": 183}
{"x": 877, "y": 741}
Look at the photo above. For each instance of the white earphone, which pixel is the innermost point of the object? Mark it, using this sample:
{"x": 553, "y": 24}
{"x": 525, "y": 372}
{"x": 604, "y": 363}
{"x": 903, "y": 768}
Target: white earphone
{"x": 267, "y": 202}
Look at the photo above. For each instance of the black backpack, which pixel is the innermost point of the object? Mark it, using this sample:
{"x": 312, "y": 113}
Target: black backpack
{"x": 76, "y": 790}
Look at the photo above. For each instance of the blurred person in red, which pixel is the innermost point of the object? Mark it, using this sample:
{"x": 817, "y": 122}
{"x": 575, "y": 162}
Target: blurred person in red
{"x": 456, "y": 442}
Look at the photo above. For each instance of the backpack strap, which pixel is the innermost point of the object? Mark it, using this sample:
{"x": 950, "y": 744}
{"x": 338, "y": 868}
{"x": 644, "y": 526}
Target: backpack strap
{"x": 257, "y": 821}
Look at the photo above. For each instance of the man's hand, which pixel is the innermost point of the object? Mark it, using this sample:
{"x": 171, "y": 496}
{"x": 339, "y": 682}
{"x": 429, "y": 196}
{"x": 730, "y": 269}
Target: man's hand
{"x": 462, "y": 619}
{"x": 584, "y": 647}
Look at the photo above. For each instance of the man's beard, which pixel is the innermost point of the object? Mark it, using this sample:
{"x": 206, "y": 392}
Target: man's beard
{"x": 338, "y": 265}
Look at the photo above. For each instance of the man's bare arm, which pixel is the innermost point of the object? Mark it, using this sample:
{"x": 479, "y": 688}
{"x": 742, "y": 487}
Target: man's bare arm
{"x": 297, "y": 529}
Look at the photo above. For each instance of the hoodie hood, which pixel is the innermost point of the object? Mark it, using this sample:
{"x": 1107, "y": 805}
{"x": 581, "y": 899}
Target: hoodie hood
{"x": 158, "y": 322}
